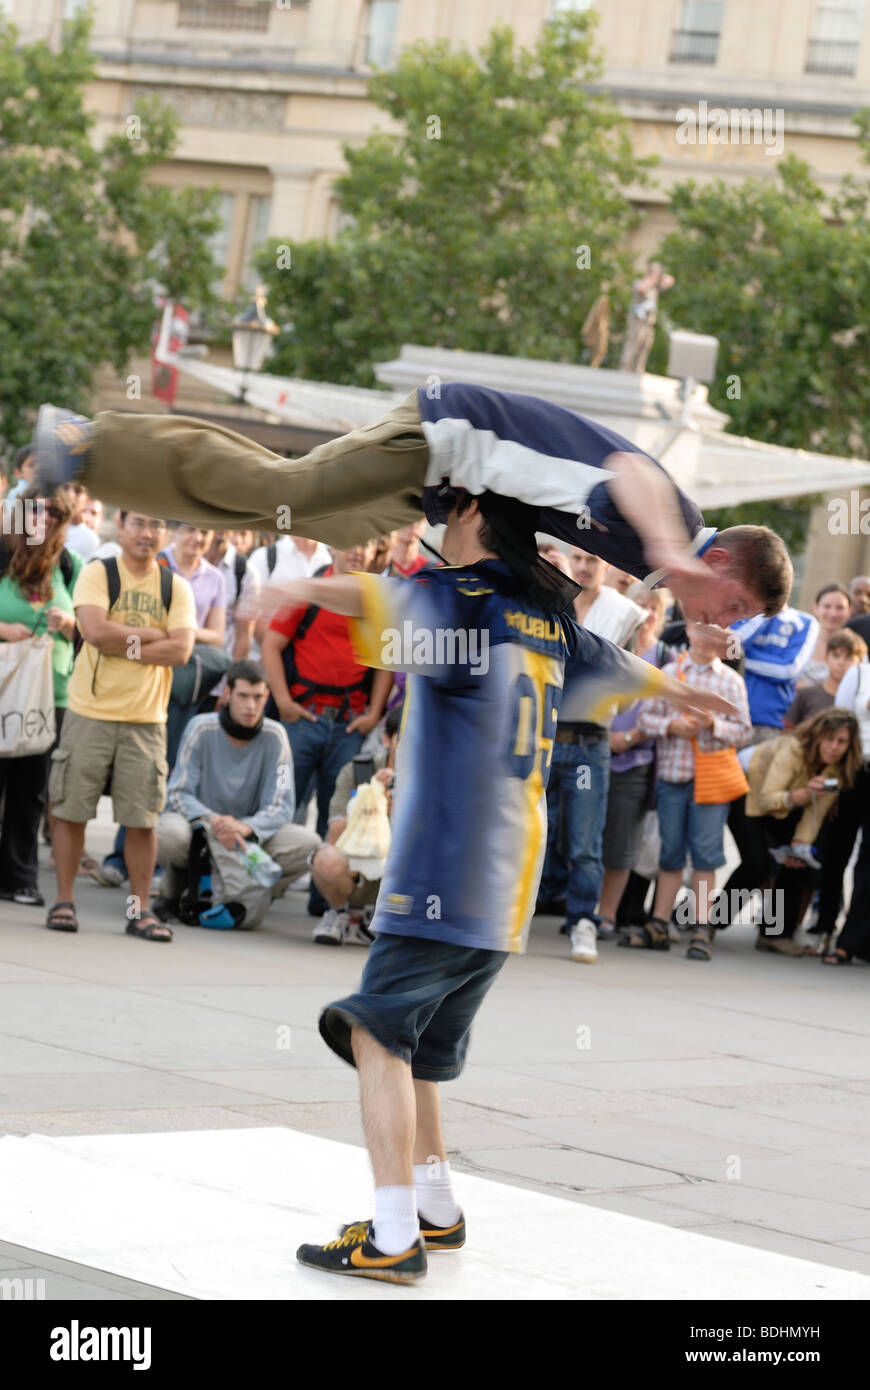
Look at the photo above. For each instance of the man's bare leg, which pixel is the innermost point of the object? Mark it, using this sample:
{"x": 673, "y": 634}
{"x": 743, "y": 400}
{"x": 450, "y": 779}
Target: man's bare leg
{"x": 436, "y": 1202}
{"x": 389, "y": 1121}
{"x": 429, "y": 1140}
{"x": 68, "y": 842}
{"x": 389, "y": 1118}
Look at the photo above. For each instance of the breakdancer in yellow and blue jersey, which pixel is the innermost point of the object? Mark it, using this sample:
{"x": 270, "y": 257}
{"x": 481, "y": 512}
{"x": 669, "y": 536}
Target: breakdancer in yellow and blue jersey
{"x": 490, "y": 660}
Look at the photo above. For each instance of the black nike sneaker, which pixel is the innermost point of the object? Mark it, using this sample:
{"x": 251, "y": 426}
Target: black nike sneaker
{"x": 434, "y": 1237}
{"x": 355, "y": 1253}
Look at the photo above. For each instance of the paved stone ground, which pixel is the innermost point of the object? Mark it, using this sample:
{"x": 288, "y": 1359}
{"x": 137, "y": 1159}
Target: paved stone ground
{"x": 731, "y": 1098}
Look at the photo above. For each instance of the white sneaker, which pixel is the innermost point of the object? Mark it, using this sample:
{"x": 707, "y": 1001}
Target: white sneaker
{"x": 584, "y": 944}
{"x": 357, "y": 933}
{"x": 108, "y": 875}
{"x": 330, "y": 930}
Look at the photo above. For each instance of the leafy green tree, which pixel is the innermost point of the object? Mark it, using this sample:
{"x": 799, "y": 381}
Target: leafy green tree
{"x": 489, "y": 222}
{"x": 780, "y": 274}
{"x": 85, "y": 240}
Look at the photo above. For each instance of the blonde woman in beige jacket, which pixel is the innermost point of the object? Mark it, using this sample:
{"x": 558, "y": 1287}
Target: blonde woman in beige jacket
{"x": 790, "y": 795}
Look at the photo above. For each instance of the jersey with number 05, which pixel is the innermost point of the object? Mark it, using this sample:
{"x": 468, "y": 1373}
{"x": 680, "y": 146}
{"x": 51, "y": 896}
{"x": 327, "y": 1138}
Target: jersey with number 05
{"x": 487, "y": 673}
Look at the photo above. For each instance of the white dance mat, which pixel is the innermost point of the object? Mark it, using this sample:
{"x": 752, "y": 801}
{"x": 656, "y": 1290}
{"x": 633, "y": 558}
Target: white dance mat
{"x": 219, "y": 1214}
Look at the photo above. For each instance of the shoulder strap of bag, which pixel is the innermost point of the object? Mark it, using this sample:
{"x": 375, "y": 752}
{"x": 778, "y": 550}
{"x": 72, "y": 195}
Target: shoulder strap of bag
{"x": 311, "y": 611}
{"x": 166, "y": 587}
{"x": 113, "y": 578}
{"x": 113, "y": 587}
{"x": 271, "y": 556}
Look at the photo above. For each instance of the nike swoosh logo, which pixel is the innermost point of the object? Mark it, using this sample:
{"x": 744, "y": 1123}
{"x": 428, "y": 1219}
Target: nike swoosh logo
{"x": 361, "y": 1261}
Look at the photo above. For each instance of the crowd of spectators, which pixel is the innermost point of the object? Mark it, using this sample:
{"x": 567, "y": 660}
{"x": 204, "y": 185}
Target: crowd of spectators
{"x": 219, "y": 731}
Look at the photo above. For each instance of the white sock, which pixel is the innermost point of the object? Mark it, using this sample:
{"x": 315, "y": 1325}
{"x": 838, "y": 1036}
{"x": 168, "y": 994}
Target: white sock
{"x": 435, "y": 1199}
{"x": 396, "y": 1225}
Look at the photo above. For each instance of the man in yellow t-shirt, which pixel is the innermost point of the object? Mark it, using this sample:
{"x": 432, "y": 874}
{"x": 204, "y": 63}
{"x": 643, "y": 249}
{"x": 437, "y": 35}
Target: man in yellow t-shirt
{"x": 115, "y": 726}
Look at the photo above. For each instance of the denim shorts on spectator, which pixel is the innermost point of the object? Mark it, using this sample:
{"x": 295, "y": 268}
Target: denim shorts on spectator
{"x": 684, "y": 825}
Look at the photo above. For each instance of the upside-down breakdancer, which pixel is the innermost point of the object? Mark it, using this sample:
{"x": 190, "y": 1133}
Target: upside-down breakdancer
{"x": 469, "y": 821}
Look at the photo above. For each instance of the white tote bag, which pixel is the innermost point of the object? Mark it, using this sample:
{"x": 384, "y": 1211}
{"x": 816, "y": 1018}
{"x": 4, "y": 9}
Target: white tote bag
{"x": 27, "y": 723}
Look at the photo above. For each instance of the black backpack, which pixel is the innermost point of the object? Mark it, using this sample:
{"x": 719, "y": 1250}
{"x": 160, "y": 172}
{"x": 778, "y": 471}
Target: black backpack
{"x": 291, "y": 674}
{"x": 113, "y": 582}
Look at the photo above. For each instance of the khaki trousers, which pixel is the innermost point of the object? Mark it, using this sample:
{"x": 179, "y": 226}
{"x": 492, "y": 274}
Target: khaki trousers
{"x": 346, "y": 491}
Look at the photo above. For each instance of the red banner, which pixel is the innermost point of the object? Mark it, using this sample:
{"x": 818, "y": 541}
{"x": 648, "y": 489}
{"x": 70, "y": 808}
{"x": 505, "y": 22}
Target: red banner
{"x": 164, "y": 379}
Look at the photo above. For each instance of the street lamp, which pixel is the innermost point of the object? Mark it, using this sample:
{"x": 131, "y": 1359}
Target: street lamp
{"x": 252, "y": 333}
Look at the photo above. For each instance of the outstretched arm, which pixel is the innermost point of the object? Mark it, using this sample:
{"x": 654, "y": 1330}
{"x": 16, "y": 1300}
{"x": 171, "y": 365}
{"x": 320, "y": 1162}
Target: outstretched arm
{"x": 599, "y": 674}
{"x": 340, "y": 593}
{"x": 647, "y": 498}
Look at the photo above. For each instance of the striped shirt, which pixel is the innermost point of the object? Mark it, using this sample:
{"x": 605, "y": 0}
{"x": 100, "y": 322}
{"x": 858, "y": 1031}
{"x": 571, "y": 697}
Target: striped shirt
{"x": 542, "y": 454}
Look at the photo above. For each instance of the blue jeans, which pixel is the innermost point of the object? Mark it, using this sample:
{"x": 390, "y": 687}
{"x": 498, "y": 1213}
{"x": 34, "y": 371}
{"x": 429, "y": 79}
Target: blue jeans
{"x": 576, "y": 812}
{"x": 686, "y": 825}
{"x": 320, "y": 750}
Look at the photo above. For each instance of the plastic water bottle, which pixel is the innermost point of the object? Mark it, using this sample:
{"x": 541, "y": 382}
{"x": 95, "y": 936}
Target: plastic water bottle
{"x": 261, "y": 866}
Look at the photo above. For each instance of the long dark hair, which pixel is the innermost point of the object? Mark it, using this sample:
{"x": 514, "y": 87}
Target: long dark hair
{"x": 31, "y": 563}
{"x": 810, "y": 733}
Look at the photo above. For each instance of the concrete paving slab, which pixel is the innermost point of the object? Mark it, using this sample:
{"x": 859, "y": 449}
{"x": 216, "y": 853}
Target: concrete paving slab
{"x": 839, "y": 1255}
{"x": 666, "y": 1074}
{"x": 816, "y": 1218}
{"x": 291, "y": 1083}
{"x": 126, "y": 1090}
{"x": 665, "y": 1146}
{"x": 138, "y": 1119}
{"x": 64, "y": 1279}
{"x": 562, "y": 1167}
{"x": 22, "y": 1057}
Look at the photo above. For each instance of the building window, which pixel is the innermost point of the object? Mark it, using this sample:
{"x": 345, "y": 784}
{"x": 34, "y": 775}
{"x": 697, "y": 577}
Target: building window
{"x": 70, "y": 8}
{"x": 697, "y": 39}
{"x": 836, "y": 38}
{"x": 259, "y": 208}
{"x": 219, "y": 241}
{"x": 223, "y": 14}
{"x": 380, "y": 35}
{"x": 567, "y": 6}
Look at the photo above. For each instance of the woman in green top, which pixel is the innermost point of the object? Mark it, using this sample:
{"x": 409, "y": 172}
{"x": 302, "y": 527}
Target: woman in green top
{"x": 35, "y": 597}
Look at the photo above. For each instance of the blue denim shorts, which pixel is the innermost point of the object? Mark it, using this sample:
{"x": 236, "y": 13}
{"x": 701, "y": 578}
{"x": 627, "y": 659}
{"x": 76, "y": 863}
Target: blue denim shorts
{"x": 418, "y": 999}
{"x": 686, "y": 825}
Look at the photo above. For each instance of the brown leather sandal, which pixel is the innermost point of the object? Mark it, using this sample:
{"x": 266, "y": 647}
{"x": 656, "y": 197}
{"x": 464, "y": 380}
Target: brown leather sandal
{"x": 653, "y": 936}
{"x": 148, "y": 928}
{"x": 700, "y": 944}
{"x": 62, "y": 917}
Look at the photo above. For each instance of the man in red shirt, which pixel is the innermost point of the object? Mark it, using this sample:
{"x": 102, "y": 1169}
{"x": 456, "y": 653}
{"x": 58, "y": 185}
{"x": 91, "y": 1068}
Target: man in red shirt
{"x": 325, "y": 699}
{"x": 405, "y": 559}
